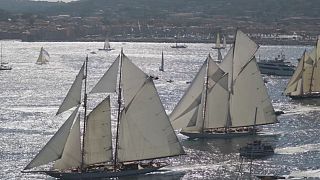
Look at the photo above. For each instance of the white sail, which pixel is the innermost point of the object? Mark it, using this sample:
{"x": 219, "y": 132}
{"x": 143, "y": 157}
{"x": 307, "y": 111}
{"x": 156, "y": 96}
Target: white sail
{"x": 226, "y": 65}
{"x": 244, "y": 50}
{"x": 54, "y": 148}
{"x": 73, "y": 97}
{"x": 224, "y": 42}
{"x": 43, "y": 57}
{"x": 246, "y": 86}
{"x": 132, "y": 79}
{"x": 217, "y": 103}
{"x": 298, "y": 75}
{"x": 180, "y": 116}
{"x": 108, "y": 82}
{"x": 161, "y": 68}
{"x": 249, "y": 93}
{"x": 315, "y": 56}
{"x": 188, "y": 114}
{"x": 106, "y": 44}
{"x": 71, "y": 156}
{"x": 218, "y": 41}
{"x": 97, "y": 140}
{"x": 145, "y": 130}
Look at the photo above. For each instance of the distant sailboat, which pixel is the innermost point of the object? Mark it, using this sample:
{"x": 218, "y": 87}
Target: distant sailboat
{"x": 219, "y": 47}
{"x": 143, "y": 130}
{"x": 43, "y": 57}
{"x": 178, "y": 45}
{"x": 3, "y": 65}
{"x": 305, "y": 81}
{"x": 106, "y": 46}
{"x": 225, "y": 101}
{"x": 161, "y": 68}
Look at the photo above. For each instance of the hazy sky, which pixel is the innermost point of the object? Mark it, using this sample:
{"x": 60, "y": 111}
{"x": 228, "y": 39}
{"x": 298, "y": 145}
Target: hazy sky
{"x": 56, "y": 0}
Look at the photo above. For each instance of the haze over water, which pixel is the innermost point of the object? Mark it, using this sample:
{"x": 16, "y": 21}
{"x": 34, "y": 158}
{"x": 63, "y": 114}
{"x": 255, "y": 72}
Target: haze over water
{"x": 30, "y": 95}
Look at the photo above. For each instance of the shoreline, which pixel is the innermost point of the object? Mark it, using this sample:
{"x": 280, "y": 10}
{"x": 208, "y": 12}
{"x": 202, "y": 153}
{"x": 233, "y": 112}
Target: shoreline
{"x": 269, "y": 42}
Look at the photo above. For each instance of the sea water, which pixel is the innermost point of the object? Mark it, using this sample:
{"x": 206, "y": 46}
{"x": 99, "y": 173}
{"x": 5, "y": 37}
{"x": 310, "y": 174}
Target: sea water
{"x": 30, "y": 95}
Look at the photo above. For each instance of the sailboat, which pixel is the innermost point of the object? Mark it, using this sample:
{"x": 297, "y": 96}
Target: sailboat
{"x": 143, "y": 130}
{"x": 226, "y": 101}
{"x": 3, "y": 65}
{"x": 305, "y": 81}
{"x": 43, "y": 57}
{"x": 161, "y": 68}
{"x": 106, "y": 46}
{"x": 178, "y": 45}
{"x": 219, "y": 47}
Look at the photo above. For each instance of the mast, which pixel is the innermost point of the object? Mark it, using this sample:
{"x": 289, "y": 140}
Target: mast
{"x": 119, "y": 113}
{"x": 229, "y": 121}
{"x": 314, "y": 64}
{"x": 255, "y": 120}
{"x": 206, "y": 95}
{"x": 302, "y": 59}
{"x": 85, "y": 112}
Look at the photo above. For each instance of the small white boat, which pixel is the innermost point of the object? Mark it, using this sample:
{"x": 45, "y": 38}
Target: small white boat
{"x": 178, "y": 45}
{"x": 4, "y": 65}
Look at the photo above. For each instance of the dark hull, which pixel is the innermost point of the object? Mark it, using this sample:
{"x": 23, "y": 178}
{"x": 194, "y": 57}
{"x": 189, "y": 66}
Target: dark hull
{"x": 305, "y": 96}
{"x": 219, "y": 135}
{"x": 108, "y": 49}
{"x": 179, "y": 46}
{"x": 99, "y": 174}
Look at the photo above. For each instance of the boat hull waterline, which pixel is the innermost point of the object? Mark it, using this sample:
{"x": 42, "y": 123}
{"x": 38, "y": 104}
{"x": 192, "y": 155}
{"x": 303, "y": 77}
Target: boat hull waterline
{"x": 98, "y": 173}
{"x": 194, "y": 135}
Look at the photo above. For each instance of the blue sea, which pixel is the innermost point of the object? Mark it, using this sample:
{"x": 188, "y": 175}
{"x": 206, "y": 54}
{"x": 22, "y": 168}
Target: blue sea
{"x": 30, "y": 95}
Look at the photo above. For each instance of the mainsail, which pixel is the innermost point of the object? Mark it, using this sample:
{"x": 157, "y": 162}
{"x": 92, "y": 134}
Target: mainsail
{"x": 188, "y": 112}
{"x": 147, "y": 133}
{"x": 246, "y": 82}
{"x": 97, "y": 140}
{"x": 43, "y": 57}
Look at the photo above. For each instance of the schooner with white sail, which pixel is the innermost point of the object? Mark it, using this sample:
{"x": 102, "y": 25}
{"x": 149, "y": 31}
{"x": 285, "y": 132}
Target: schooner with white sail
{"x": 43, "y": 57}
{"x": 226, "y": 101}
{"x": 305, "y": 81}
{"x": 143, "y": 131}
